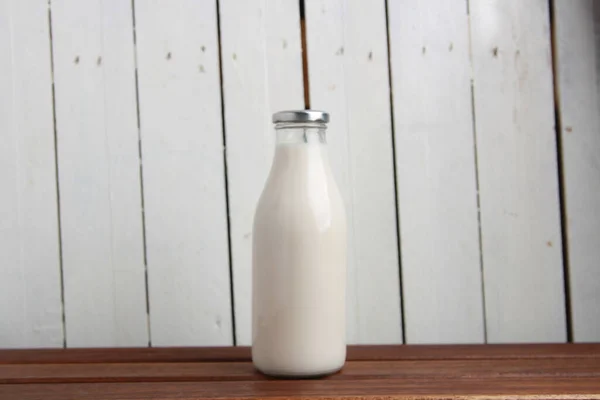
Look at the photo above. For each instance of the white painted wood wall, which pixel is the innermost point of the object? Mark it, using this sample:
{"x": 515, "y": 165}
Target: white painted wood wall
{"x": 136, "y": 137}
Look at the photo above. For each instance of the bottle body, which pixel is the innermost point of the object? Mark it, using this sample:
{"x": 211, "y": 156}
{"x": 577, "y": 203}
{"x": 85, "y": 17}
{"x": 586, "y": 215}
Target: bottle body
{"x": 299, "y": 264}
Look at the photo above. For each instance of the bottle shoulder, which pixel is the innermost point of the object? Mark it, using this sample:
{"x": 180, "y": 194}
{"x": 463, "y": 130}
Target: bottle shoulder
{"x": 301, "y": 203}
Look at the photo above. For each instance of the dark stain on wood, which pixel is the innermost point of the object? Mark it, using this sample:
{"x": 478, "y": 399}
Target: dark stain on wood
{"x": 423, "y": 50}
{"x": 76, "y": 60}
{"x": 451, "y": 46}
{"x": 168, "y": 56}
{"x": 305, "y": 77}
{"x": 370, "y": 56}
{"x": 568, "y": 129}
{"x": 495, "y": 51}
{"x": 99, "y": 61}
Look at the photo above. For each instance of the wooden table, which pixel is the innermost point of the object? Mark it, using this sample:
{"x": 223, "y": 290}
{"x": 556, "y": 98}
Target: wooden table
{"x": 564, "y": 371}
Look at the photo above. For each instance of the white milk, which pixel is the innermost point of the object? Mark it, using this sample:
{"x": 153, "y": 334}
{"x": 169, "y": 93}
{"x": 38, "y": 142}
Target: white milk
{"x": 299, "y": 266}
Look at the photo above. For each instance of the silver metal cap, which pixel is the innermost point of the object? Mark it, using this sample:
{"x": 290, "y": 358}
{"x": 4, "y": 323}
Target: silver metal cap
{"x": 301, "y": 116}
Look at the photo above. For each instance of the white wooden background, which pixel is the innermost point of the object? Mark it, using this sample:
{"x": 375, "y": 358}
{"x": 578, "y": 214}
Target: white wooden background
{"x": 136, "y": 137}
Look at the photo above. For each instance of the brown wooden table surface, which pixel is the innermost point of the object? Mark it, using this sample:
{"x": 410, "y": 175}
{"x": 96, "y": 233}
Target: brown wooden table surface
{"x": 564, "y": 371}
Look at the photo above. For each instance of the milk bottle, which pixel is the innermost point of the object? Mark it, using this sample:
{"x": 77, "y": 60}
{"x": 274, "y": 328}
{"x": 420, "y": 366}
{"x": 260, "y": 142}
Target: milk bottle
{"x": 299, "y": 256}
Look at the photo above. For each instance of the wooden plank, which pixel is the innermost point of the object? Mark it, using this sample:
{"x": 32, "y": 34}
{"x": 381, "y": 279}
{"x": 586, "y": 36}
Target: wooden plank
{"x": 184, "y": 188}
{"x": 518, "y": 180}
{"x": 436, "y": 172}
{"x": 460, "y": 389}
{"x": 347, "y": 63}
{"x": 125, "y": 355}
{"x": 262, "y": 74}
{"x": 30, "y": 288}
{"x": 355, "y": 353}
{"x": 99, "y": 174}
{"x": 245, "y": 371}
{"x": 577, "y": 41}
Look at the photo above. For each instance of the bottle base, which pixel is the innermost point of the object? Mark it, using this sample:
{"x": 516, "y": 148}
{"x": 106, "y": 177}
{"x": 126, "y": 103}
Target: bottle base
{"x": 299, "y": 375}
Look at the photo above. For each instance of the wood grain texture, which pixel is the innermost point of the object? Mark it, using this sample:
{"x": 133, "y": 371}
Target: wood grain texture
{"x": 30, "y": 287}
{"x": 534, "y": 388}
{"x": 245, "y": 371}
{"x": 98, "y": 165}
{"x": 533, "y": 374}
{"x": 348, "y": 73}
{"x": 437, "y": 198}
{"x": 354, "y": 353}
{"x": 183, "y": 173}
{"x": 262, "y": 74}
{"x": 517, "y": 166}
{"x": 577, "y": 66}
{"x": 530, "y": 389}
{"x": 554, "y": 387}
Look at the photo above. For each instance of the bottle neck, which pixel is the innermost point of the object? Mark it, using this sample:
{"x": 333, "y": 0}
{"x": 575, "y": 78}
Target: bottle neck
{"x": 300, "y": 133}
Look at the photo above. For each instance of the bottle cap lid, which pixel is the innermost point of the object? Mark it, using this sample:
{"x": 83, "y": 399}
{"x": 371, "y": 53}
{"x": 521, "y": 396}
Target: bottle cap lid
{"x": 301, "y": 116}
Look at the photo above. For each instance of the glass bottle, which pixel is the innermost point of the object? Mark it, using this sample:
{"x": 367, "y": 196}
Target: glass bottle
{"x": 299, "y": 256}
